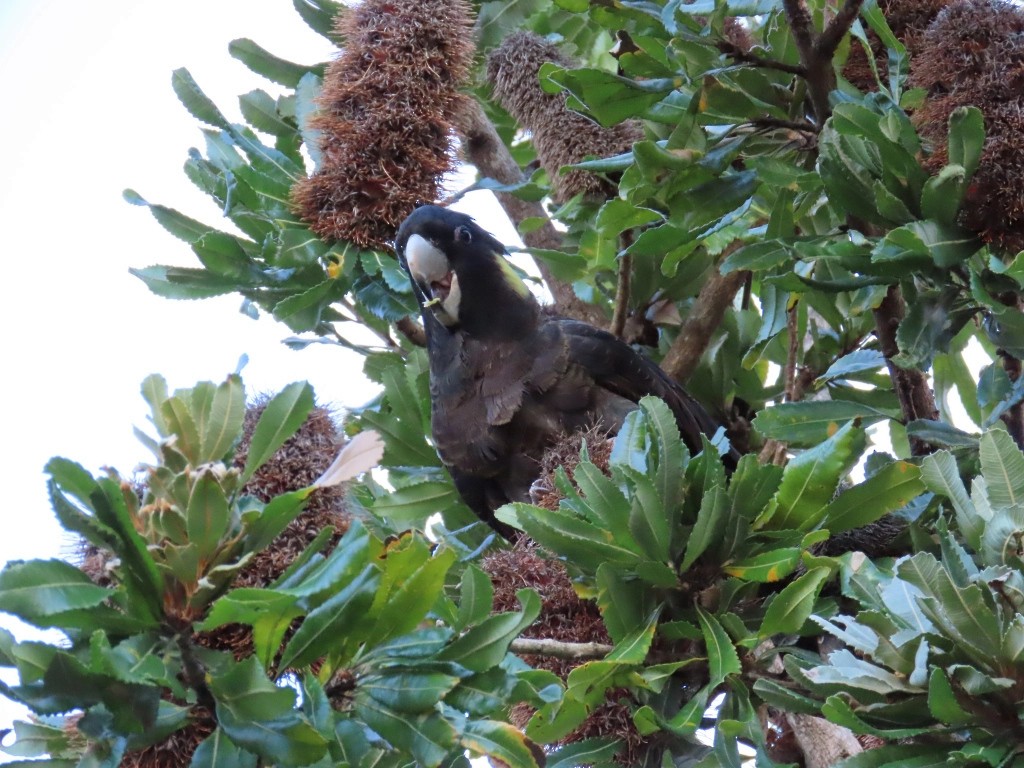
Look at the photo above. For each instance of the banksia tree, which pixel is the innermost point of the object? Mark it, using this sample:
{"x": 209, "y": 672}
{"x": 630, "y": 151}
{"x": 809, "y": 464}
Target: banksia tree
{"x": 386, "y": 119}
{"x": 560, "y": 136}
{"x": 819, "y": 261}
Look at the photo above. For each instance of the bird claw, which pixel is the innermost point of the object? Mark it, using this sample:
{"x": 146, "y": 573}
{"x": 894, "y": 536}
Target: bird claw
{"x": 538, "y": 490}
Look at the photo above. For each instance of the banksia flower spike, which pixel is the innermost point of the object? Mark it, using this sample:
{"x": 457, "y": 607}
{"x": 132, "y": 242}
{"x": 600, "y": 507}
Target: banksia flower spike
{"x": 387, "y": 112}
{"x": 973, "y": 54}
{"x": 560, "y": 136}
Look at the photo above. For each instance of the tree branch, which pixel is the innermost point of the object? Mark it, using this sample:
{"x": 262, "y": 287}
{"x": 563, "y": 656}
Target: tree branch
{"x": 622, "y": 287}
{"x": 706, "y": 315}
{"x": 795, "y": 125}
{"x": 816, "y": 51}
{"x": 837, "y": 28}
{"x": 917, "y": 401}
{"x": 485, "y": 149}
{"x": 733, "y": 51}
{"x": 412, "y": 330}
{"x": 529, "y": 646}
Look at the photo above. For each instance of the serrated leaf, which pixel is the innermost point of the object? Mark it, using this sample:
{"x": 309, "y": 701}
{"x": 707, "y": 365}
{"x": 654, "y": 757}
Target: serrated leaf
{"x": 218, "y": 751}
{"x": 722, "y": 657}
{"x": 1002, "y": 465}
{"x": 485, "y": 645}
{"x": 767, "y": 567}
{"x": 35, "y": 590}
{"x": 502, "y": 741}
{"x": 794, "y": 604}
{"x": 886, "y": 491}
{"x": 261, "y": 717}
{"x": 207, "y": 515}
{"x": 476, "y": 597}
{"x": 810, "y": 479}
{"x": 264, "y": 63}
{"x": 196, "y": 102}
{"x": 811, "y": 422}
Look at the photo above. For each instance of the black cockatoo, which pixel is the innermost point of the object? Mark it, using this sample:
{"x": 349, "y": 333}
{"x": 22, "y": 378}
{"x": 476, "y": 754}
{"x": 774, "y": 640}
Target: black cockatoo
{"x": 507, "y": 379}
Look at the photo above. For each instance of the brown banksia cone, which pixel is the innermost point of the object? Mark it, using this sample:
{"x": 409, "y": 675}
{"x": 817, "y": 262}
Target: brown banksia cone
{"x": 908, "y": 20}
{"x": 386, "y": 118}
{"x": 973, "y": 54}
{"x": 560, "y": 136}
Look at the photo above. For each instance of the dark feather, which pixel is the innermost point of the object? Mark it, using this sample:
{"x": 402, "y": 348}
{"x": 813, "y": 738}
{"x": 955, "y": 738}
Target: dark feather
{"x": 507, "y": 381}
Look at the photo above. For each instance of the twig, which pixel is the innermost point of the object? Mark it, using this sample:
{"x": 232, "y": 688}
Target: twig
{"x": 793, "y": 393}
{"x": 916, "y": 399}
{"x": 528, "y": 646}
{"x": 816, "y": 51}
{"x": 774, "y": 122}
{"x": 733, "y": 51}
{"x": 706, "y": 315}
{"x": 622, "y": 287}
{"x": 385, "y": 337}
{"x": 485, "y": 149}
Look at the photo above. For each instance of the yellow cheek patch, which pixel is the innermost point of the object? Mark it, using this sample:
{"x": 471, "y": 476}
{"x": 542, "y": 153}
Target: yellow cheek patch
{"x": 512, "y": 278}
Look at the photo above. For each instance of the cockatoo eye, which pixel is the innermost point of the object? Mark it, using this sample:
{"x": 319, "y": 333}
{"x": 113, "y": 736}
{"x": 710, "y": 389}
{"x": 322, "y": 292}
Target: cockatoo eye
{"x": 463, "y": 235}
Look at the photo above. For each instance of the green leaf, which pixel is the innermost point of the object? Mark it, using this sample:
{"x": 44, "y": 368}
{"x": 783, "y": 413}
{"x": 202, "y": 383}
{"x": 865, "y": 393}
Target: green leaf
{"x": 886, "y": 491}
{"x": 320, "y": 16}
{"x": 196, "y": 102}
{"x": 567, "y": 535}
{"x": 791, "y": 608}
{"x": 858, "y": 361}
{"x": 264, "y": 63}
{"x": 810, "y": 479}
{"x": 942, "y": 701}
{"x": 485, "y": 645}
{"x": 270, "y": 613}
{"x": 260, "y": 110}
{"x": 767, "y": 567}
{"x": 408, "y": 691}
{"x": 502, "y": 741}
{"x": 722, "y": 657}
{"x": 633, "y": 648}
{"x": 263, "y": 528}
{"x": 946, "y": 245}
{"x": 281, "y": 418}
{"x": 811, "y": 422}
{"x": 609, "y": 98}
{"x": 476, "y": 597}
{"x": 597, "y": 753}
{"x": 178, "y": 224}
{"x": 406, "y": 606}
{"x": 217, "y": 751}
{"x": 708, "y": 527}
{"x": 428, "y": 738}
{"x": 943, "y": 194}
{"x": 222, "y": 424}
{"x": 966, "y": 138}
{"x": 261, "y": 717}
{"x": 327, "y": 627}
{"x": 182, "y": 283}
{"x": 414, "y": 503}
{"x": 207, "y": 515}
{"x": 1002, "y": 465}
